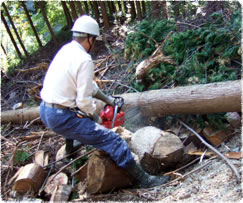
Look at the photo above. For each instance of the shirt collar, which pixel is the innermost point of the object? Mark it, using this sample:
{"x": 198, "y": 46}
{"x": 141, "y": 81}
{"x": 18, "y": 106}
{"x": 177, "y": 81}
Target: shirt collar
{"x": 79, "y": 45}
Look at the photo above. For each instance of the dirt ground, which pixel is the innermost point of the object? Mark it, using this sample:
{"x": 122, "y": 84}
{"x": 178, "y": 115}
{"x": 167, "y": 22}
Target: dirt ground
{"x": 214, "y": 182}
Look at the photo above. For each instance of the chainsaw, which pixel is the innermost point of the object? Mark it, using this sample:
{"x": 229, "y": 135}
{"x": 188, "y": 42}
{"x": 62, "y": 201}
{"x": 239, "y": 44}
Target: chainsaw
{"x": 113, "y": 116}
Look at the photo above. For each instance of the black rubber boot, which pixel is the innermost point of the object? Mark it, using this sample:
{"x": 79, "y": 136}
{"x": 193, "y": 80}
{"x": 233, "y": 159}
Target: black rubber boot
{"x": 143, "y": 179}
{"x": 71, "y": 147}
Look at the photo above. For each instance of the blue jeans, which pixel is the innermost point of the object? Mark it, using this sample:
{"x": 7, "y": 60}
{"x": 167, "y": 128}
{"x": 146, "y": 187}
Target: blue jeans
{"x": 88, "y": 132}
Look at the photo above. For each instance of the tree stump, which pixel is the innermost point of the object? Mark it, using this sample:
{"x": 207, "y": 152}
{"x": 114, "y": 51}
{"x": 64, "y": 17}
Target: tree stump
{"x": 30, "y": 179}
{"x": 104, "y": 175}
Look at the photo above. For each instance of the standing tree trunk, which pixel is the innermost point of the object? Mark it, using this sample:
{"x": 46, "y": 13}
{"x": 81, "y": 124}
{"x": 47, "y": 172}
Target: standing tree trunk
{"x": 4, "y": 50}
{"x": 31, "y": 23}
{"x": 139, "y": 12}
{"x": 39, "y": 3}
{"x": 155, "y": 9}
{"x": 15, "y": 30}
{"x": 119, "y": 6}
{"x": 164, "y": 9}
{"x": 96, "y": 11}
{"x": 105, "y": 17}
{"x": 176, "y": 9}
{"x": 67, "y": 14}
{"x": 133, "y": 11}
{"x": 86, "y": 7}
{"x": 74, "y": 13}
{"x": 143, "y": 7}
{"x": 125, "y": 6}
{"x": 80, "y": 9}
{"x": 11, "y": 36}
{"x": 111, "y": 11}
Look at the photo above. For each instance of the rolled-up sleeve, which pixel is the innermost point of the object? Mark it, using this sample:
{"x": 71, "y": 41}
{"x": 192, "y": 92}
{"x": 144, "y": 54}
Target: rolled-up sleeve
{"x": 86, "y": 88}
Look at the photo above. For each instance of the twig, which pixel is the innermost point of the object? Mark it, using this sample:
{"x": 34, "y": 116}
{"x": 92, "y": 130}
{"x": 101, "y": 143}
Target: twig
{"x": 44, "y": 183}
{"x": 183, "y": 176}
{"x": 215, "y": 150}
{"x": 192, "y": 162}
{"x": 40, "y": 142}
{"x": 50, "y": 164}
{"x": 81, "y": 156}
{"x": 26, "y": 126}
{"x": 182, "y": 23}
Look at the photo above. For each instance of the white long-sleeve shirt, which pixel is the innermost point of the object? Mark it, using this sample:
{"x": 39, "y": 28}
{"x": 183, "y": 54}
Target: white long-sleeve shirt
{"x": 69, "y": 79}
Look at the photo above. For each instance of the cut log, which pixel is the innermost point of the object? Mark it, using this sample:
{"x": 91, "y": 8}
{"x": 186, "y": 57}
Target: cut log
{"x": 20, "y": 115}
{"x": 104, "y": 175}
{"x": 61, "y": 193}
{"x": 157, "y": 150}
{"x": 195, "y": 99}
{"x": 29, "y": 179}
{"x": 41, "y": 158}
{"x": 51, "y": 184}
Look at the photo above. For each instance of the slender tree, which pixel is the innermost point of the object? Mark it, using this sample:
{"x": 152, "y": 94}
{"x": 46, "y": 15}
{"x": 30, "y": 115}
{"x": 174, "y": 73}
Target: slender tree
{"x": 15, "y": 30}
{"x": 74, "y": 13}
{"x": 143, "y": 7}
{"x": 86, "y": 6}
{"x": 31, "y": 23}
{"x": 164, "y": 9}
{"x": 4, "y": 50}
{"x": 43, "y": 11}
{"x": 104, "y": 14}
{"x": 139, "y": 12}
{"x": 133, "y": 11}
{"x": 67, "y": 14}
{"x": 80, "y": 9}
{"x": 155, "y": 9}
{"x": 96, "y": 10}
{"x": 11, "y": 36}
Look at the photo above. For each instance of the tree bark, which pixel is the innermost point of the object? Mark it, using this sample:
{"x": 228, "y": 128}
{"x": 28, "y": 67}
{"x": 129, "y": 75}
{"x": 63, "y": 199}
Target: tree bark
{"x": 155, "y": 9}
{"x": 39, "y": 3}
{"x": 202, "y": 99}
{"x": 74, "y": 13}
{"x": 104, "y": 175}
{"x": 67, "y": 14}
{"x": 104, "y": 13}
{"x": 96, "y": 11}
{"x": 31, "y": 23}
{"x": 194, "y": 99}
{"x": 15, "y": 30}
{"x": 20, "y": 115}
{"x": 139, "y": 12}
{"x": 133, "y": 11}
{"x": 11, "y": 36}
{"x": 164, "y": 9}
{"x": 81, "y": 11}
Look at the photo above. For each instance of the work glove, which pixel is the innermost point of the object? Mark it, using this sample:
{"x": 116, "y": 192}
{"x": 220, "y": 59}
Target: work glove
{"x": 96, "y": 118}
{"x": 107, "y": 99}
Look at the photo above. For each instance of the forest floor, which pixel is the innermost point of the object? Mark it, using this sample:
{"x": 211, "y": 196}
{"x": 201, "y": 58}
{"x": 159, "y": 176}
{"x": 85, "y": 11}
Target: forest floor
{"x": 214, "y": 182}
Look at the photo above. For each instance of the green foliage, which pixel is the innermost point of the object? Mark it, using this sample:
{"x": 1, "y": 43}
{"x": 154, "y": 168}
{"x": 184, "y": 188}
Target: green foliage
{"x": 21, "y": 156}
{"x": 211, "y": 53}
{"x": 141, "y": 43}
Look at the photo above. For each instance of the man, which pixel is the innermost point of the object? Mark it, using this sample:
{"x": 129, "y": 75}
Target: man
{"x": 69, "y": 84}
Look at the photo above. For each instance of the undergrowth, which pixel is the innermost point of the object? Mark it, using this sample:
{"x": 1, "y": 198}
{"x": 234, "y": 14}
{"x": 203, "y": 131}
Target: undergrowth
{"x": 210, "y": 53}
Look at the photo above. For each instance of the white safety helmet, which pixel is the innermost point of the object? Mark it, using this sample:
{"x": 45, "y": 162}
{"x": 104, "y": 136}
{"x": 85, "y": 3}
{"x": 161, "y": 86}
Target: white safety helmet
{"x": 86, "y": 24}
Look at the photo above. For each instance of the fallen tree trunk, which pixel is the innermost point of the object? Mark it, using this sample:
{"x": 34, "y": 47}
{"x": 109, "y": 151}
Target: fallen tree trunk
{"x": 194, "y": 99}
{"x": 206, "y": 98}
{"x": 20, "y": 115}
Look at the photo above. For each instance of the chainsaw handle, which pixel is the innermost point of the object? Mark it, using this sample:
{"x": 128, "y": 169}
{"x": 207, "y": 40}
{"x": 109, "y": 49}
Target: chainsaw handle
{"x": 119, "y": 102}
